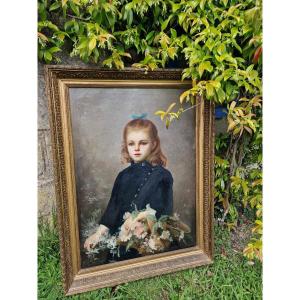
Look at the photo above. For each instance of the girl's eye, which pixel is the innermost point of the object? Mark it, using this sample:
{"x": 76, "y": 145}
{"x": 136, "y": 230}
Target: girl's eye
{"x": 130, "y": 144}
{"x": 144, "y": 143}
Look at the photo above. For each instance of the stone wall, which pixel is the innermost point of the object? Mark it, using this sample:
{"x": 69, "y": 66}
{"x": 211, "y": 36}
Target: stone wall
{"x": 46, "y": 190}
{"x": 46, "y": 193}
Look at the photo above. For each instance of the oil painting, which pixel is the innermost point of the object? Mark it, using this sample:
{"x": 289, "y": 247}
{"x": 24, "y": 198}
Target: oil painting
{"x": 135, "y": 185}
{"x": 134, "y": 198}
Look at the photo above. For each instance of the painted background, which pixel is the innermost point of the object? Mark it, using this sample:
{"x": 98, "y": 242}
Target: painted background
{"x": 98, "y": 116}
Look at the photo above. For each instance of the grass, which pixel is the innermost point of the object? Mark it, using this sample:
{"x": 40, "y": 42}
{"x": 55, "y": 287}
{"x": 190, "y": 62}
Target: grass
{"x": 229, "y": 277}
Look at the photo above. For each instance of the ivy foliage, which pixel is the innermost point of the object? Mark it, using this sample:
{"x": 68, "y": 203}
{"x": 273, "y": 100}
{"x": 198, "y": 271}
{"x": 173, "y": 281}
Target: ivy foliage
{"x": 220, "y": 45}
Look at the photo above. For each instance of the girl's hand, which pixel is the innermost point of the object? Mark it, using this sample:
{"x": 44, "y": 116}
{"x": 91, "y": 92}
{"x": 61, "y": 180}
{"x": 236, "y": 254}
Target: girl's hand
{"x": 91, "y": 241}
{"x": 94, "y": 239}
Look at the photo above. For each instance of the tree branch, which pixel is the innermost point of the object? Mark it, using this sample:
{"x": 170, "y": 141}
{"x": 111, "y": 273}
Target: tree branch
{"x": 78, "y": 18}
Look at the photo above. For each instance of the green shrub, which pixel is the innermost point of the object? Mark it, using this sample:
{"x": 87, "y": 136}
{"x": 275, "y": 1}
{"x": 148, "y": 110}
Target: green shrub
{"x": 219, "y": 45}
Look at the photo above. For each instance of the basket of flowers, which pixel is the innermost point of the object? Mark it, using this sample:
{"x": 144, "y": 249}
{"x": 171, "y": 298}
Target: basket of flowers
{"x": 142, "y": 231}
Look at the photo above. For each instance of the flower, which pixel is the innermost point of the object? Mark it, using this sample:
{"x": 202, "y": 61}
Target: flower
{"x": 126, "y": 215}
{"x": 181, "y": 236}
{"x": 139, "y": 229}
{"x": 142, "y": 231}
{"x": 123, "y": 237}
{"x": 151, "y": 244}
{"x": 148, "y": 212}
{"x": 112, "y": 242}
{"x": 176, "y": 216}
{"x": 165, "y": 235}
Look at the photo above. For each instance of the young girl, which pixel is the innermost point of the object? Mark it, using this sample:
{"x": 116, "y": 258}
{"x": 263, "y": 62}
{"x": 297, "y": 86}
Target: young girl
{"x": 145, "y": 181}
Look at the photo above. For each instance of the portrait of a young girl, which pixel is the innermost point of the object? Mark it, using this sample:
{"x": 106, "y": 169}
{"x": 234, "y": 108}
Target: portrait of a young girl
{"x": 145, "y": 181}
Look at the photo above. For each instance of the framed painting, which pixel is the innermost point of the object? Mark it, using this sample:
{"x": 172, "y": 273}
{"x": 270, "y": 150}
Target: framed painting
{"x": 134, "y": 199}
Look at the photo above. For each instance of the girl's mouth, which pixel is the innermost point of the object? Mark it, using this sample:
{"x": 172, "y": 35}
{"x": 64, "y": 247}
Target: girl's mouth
{"x": 137, "y": 154}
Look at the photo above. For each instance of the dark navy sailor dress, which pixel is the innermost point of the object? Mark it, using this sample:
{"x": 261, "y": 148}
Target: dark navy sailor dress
{"x": 135, "y": 187}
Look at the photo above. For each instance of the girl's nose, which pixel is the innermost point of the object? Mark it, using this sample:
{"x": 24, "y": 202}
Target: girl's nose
{"x": 137, "y": 147}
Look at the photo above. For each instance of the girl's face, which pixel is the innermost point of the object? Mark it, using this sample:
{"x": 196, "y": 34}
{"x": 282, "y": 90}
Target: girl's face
{"x": 139, "y": 144}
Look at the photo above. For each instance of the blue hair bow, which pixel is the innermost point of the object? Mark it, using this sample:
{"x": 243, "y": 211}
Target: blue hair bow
{"x": 141, "y": 116}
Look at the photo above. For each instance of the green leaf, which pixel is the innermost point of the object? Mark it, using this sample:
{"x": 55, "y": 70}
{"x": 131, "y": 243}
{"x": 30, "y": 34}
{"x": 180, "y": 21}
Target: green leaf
{"x": 64, "y": 9}
{"x": 165, "y": 23}
{"x": 68, "y": 25}
{"x": 167, "y": 123}
{"x": 202, "y": 4}
{"x": 92, "y": 43}
{"x": 175, "y": 6}
{"x": 129, "y": 17}
{"x": 129, "y": 245}
{"x": 111, "y": 19}
{"x": 40, "y": 54}
{"x": 184, "y": 95}
{"x": 210, "y": 43}
{"x": 250, "y": 68}
{"x": 221, "y": 49}
{"x": 170, "y": 107}
{"x": 171, "y": 52}
{"x": 54, "y": 6}
{"x": 125, "y": 54}
{"x": 150, "y": 36}
{"x": 235, "y": 44}
{"x": 221, "y": 95}
{"x": 206, "y": 65}
{"x": 108, "y": 62}
{"x": 83, "y": 44}
{"x": 74, "y": 8}
{"x": 234, "y": 32}
{"x": 210, "y": 91}
{"x": 96, "y": 55}
{"x": 181, "y": 18}
{"x": 47, "y": 56}
{"x": 225, "y": 2}
{"x": 54, "y": 50}
{"x": 215, "y": 84}
{"x": 160, "y": 113}
{"x": 164, "y": 41}
{"x": 173, "y": 33}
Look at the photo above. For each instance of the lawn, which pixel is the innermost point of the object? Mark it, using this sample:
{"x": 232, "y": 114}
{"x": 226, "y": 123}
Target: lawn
{"x": 231, "y": 276}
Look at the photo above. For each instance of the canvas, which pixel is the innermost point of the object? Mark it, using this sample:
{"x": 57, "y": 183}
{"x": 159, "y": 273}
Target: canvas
{"x": 134, "y": 198}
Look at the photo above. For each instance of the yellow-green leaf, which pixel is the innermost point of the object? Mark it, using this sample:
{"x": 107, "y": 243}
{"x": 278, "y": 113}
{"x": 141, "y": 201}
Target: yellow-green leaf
{"x": 205, "y": 65}
{"x": 160, "y": 113}
{"x": 42, "y": 37}
{"x": 92, "y": 43}
{"x": 170, "y": 107}
{"x": 232, "y": 105}
{"x": 183, "y": 96}
{"x": 171, "y": 52}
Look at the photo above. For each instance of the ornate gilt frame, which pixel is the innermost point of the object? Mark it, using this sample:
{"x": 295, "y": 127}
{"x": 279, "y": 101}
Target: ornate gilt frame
{"x": 77, "y": 280}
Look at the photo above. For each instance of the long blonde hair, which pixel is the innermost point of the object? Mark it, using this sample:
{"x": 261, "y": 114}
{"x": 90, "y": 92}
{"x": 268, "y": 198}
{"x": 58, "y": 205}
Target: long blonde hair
{"x": 156, "y": 156}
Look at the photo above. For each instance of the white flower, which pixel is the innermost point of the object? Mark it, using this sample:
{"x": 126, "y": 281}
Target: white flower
{"x": 176, "y": 216}
{"x": 92, "y": 251}
{"x": 151, "y": 244}
{"x": 112, "y": 242}
{"x": 165, "y": 235}
{"x": 150, "y": 211}
{"x": 181, "y": 236}
{"x": 124, "y": 237}
{"x": 126, "y": 215}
